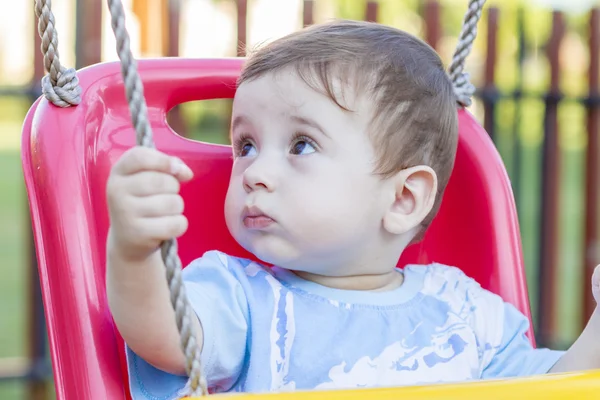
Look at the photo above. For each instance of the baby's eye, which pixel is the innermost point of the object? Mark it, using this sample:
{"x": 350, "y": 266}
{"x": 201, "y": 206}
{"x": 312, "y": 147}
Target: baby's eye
{"x": 302, "y": 146}
{"x": 247, "y": 149}
{"x": 243, "y": 146}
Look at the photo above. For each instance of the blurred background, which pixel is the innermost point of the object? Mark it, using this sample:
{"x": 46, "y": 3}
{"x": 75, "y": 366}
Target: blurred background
{"x": 535, "y": 64}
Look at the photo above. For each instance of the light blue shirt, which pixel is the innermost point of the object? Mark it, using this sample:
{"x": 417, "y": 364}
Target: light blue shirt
{"x": 266, "y": 329}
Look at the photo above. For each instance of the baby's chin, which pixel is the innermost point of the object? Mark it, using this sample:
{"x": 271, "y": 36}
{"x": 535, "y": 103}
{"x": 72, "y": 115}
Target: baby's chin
{"x": 278, "y": 256}
{"x": 275, "y": 250}
{"x": 273, "y": 258}
{"x": 295, "y": 263}
{"x": 269, "y": 249}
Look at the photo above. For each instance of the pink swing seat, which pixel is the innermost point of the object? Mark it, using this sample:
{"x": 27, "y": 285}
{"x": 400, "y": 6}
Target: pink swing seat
{"x": 67, "y": 155}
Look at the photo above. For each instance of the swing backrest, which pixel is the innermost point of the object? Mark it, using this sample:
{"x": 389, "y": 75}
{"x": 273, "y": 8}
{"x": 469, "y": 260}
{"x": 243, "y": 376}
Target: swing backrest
{"x": 67, "y": 155}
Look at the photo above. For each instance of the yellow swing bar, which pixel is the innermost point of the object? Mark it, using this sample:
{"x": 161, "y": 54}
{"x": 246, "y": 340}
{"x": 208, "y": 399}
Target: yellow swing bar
{"x": 580, "y": 386}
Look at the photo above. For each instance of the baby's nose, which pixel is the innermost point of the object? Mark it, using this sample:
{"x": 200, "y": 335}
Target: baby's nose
{"x": 259, "y": 176}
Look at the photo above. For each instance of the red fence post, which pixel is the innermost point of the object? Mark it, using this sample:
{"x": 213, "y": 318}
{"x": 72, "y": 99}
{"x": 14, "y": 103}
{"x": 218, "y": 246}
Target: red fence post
{"x": 432, "y": 23}
{"x": 308, "y": 13}
{"x": 88, "y": 37}
{"x": 372, "y": 11}
{"x": 173, "y": 23}
{"x": 242, "y": 15}
{"x": 489, "y": 89}
{"x": 242, "y": 21}
{"x": 549, "y": 202}
{"x": 174, "y": 117}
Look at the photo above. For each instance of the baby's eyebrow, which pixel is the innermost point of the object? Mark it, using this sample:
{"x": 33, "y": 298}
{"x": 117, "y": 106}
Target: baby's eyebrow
{"x": 239, "y": 120}
{"x": 308, "y": 122}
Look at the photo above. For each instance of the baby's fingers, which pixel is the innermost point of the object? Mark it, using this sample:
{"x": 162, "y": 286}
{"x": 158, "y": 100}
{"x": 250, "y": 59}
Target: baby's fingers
{"x": 180, "y": 170}
{"x": 160, "y": 205}
{"x": 142, "y": 159}
{"x": 149, "y": 183}
{"x": 596, "y": 284}
{"x": 163, "y": 228}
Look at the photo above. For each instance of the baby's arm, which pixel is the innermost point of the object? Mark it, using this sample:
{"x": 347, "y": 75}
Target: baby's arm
{"x": 585, "y": 352}
{"x": 145, "y": 209}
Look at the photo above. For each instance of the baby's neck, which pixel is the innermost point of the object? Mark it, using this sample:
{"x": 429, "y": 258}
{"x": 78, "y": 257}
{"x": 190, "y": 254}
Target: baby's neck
{"x": 376, "y": 283}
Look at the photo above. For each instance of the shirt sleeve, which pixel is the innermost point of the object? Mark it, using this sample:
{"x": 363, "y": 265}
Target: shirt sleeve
{"x": 515, "y": 356}
{"x": 218, "y": 299}
{"x": 505, "y": 351}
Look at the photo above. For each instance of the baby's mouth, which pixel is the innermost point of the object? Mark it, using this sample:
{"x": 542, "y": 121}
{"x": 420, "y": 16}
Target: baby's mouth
{"x": 254, "y": 218}
{"x": 257, "y": 222}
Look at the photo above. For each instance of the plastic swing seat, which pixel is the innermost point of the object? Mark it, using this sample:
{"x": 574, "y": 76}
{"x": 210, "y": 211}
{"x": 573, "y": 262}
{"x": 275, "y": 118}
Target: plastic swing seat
{"x": 67, "y": 155}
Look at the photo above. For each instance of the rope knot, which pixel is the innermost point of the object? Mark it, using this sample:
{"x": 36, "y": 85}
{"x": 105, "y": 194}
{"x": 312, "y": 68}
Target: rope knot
{"x": 61, "y": 85}
{"x": 464, "y": 89}
{"x": 66, "y": 92}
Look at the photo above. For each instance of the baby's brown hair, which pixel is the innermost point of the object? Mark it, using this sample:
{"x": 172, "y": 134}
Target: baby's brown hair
{"x": 415, "y": 118}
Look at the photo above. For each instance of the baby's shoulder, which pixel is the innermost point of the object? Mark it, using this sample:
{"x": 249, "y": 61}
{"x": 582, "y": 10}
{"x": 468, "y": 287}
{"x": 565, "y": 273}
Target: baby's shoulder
{"x": 452, "y": 286}
{"x": 439, "y": 277}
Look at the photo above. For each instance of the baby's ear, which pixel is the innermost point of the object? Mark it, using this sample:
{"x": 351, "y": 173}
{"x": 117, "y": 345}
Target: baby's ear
{"x": 415, "y": 192}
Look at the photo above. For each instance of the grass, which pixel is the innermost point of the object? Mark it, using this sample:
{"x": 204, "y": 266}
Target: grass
{"x": 13, "y": 298}
{"x": 14, "y": 251}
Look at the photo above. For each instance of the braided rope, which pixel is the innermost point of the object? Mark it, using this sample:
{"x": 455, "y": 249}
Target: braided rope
{"x": 61, "y": 85}
{"x": 139, "y": 115}
{"x": 463, "y": 88}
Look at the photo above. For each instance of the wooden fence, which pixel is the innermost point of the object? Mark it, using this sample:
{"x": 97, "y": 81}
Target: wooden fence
{"x": 35, "y": 369}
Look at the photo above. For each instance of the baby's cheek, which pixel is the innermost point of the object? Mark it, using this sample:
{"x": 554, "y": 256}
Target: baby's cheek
{"x": 232, "y": 211}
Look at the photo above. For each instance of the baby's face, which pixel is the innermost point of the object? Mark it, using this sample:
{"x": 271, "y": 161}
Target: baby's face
{"x": 302, "y": 193}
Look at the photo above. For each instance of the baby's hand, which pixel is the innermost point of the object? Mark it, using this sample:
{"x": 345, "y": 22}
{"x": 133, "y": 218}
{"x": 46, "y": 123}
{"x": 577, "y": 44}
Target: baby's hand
{"x": 144, "y": 204}
{"x": 596, "y": 285}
